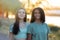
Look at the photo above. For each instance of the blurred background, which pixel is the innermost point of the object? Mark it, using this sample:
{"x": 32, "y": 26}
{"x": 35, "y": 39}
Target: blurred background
{"x": 8, "y": 10}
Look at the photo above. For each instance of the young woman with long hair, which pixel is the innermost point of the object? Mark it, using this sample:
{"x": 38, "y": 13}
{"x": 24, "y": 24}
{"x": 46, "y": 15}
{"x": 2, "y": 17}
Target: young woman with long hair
{"x": 38, "y": 29}
{"x": 18, "y": 30}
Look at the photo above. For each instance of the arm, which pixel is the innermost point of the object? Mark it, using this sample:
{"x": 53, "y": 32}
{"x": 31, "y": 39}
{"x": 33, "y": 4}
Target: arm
{"x": 11, "y": 36}
{"x": 29, "y": 37}
{"x": 29, "y": 32}
{"x": 50, "y": 34}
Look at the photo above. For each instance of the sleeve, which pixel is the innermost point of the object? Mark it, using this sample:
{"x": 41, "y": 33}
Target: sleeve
{"x": 29, "y": 29}
{"x": 10, "y": 28}
{"x": 27, "y": 24}
{"x": 48, "y": 28}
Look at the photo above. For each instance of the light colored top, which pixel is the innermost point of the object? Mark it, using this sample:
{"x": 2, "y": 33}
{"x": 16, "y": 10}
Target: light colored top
{"x": 39, "y": 31}
{"x": 22, "y": 34}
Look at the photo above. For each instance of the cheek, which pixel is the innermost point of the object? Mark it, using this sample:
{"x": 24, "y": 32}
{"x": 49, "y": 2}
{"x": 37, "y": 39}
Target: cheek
{"x": 18, "y": 14}
{"x": 21, "y": 15}
{"x": 37, "y": 15}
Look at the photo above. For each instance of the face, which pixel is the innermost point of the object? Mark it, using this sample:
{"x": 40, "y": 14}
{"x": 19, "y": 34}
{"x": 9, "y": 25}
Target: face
{"x": 37, "y": 14}
{"x": 21, "y": 13}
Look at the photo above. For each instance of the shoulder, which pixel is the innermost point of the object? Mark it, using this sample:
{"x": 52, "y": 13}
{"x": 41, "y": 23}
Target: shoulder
{"x": 27, "y": 23}
{"x": 11, "y": 26}
{"x": 31, "y": 24}
{"x": 45, "y": 24}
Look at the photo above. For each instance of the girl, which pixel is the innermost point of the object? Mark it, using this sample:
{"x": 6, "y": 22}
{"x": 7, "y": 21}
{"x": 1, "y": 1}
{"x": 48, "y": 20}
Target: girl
{"x": 38, "y": 29}
{"x": 18, "y": 30}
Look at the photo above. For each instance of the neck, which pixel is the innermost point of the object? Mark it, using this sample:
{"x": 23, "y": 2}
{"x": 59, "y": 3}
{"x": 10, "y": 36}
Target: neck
{"x": 37, "y": 21}
{"x": 21, "y": 21}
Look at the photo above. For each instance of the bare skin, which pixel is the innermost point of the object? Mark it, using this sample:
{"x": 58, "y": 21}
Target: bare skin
{"x": 11, "y": 36}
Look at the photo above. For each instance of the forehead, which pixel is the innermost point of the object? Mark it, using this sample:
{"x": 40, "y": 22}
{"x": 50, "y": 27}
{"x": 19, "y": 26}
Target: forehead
{"x": 21, "y": 10}
{"x": 36, "y": 10}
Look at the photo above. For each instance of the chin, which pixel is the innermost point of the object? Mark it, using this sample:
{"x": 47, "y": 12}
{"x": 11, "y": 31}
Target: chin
{"x": 38, "y": 18}
{"x": 21, "y": 18}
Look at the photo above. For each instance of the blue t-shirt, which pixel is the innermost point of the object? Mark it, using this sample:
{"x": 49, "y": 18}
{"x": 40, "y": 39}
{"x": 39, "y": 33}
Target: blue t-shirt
{"x": 39, "y": 31}
{"x": 22, "y": 33}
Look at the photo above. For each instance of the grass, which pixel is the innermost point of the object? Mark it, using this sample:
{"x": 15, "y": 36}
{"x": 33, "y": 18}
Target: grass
{"x": 56, "y": 31}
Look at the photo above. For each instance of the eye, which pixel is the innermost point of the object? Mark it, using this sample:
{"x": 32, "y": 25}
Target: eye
{"x": 19, "y": 12}
{"x": 23, "y": 12}
{"x": 36, "y": 12}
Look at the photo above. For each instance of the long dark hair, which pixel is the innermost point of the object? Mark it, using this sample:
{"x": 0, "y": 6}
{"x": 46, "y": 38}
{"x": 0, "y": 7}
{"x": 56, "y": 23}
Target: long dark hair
{"x": 42, "y": 15}
{"x": 16, "y": 24}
